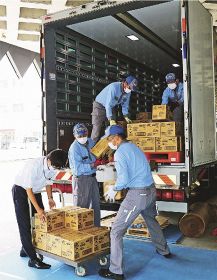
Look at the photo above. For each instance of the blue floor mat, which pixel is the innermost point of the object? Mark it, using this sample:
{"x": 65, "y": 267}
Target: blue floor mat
{"x": 172, "y": 234}
{"x": 141, "y": 262}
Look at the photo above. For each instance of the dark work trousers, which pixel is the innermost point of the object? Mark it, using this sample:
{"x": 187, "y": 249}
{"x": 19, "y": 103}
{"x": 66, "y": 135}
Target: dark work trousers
{"x": 86, "y": 194}
{"x": 21, "y": 206}
{"x": 98, "y": 120}
{"x": 178, "y": 114}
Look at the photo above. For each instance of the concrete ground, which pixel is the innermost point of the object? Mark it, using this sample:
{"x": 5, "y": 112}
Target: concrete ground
{"x": 206, "y": 241}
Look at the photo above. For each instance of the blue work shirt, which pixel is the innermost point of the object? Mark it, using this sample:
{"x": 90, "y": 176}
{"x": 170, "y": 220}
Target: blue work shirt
{"x": 80, "y": 158}
{"x": 132, "y": 166}
{"x": 113, "y": 95}
{"x": 171, "y": 95}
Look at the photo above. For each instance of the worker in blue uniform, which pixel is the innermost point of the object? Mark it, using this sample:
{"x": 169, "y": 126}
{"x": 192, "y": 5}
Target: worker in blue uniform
{"x": 35, "y": 175}
{"x": 173, "y": 96}
{"x": 134, "y": 174}
{"x": 112, "y": 95}
{"x": 82, "y": 163}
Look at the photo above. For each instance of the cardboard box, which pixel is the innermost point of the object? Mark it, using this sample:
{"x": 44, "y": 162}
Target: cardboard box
{"x": 67, "y": 208}
{"x": 101, "y": 148}
{"x": 169, "y": 129}
{"x": 153, "y": 129}
{"x": 134, "y": 139}
{"x": 120, "y": 194}
{"x": 54, "y": 244}
{"x": 136, "y": 126}
{"x": 136, "y": 129}
{"x": 143, "y": 116}
{"x": 101, "y": 238}
{"x": 168, "y": 144}
{"x": 143, "y": 130}
{"x": 78, "y": 219}
{"x": 161, "y": 112}
{"x": 39, "y": 239}
{"x": 146, "y": 144}
{"x": 55, "y": 219}
{"x": 137, "y": 134}
{"x": 54, "y": 239}
{"x": 76, "y": 245}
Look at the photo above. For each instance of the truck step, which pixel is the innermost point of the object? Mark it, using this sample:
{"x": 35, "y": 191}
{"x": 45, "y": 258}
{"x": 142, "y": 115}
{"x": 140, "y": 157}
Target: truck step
{"x": 165, "y": 157}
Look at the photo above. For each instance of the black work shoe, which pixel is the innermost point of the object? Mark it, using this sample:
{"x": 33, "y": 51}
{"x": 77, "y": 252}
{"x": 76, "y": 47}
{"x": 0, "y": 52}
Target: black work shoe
{"x": 36, "y": 263}
{"x": 106, "y": 273}
{"x": 41, "y": 257}
{"x": 168, "y": 256}
{"x": 23, "y": 253}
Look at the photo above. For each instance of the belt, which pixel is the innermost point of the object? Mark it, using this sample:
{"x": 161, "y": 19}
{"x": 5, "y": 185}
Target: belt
{"x": 91, "y": 175}
{"x": 142, "y": 189}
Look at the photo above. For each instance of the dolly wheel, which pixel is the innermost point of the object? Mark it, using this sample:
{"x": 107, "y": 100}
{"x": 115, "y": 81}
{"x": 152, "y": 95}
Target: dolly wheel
{"x": 103, "y": 261}
{"x": 80, "y": 271}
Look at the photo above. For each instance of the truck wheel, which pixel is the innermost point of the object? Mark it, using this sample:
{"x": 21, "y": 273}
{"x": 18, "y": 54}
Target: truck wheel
{"x": 103, "y": 261}
{"x": 80, "y": 271}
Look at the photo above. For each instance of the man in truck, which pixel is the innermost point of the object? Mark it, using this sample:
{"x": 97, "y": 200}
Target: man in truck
{"x": 173, "y": 96}
{"x": 29, "y": 182}
{"x": 83, "y": 165}
{"x": 112, "y": 95}
{"x": 134, "y": 174}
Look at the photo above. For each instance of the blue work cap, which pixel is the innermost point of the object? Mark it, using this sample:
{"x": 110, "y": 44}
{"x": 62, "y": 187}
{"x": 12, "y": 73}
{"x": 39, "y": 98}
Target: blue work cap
{"x": 132, "y": 82}
{"x": 171, "y": 77}
{"x": 113, "y": 130}
{"x": 80, "y": 130}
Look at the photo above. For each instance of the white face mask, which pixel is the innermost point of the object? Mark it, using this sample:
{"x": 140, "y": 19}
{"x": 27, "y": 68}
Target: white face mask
{"x": 127, "y": 90}
{"x": 172, "y": 86}
{"x": 113, "y": 147}
{"x": 82, "y": 140}
{"x": 51, "y": 168}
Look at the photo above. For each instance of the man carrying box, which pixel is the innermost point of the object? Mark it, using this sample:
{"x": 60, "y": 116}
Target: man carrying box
{"x": 83, "y": 165}
{"x": 134, "y": 174}
{"x": 35, "y": 175}
{"x": 173, "y": 96}
{"x": 112, "y": 95}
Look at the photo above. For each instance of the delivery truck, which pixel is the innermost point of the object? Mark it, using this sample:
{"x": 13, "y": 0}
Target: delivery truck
{"x": 85, "y": 48}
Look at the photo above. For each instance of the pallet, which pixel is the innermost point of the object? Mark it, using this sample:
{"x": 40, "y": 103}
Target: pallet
{"x": 107, "y": 221}
{"x": 143, "y": 231}
{"x": 165, "y": 157}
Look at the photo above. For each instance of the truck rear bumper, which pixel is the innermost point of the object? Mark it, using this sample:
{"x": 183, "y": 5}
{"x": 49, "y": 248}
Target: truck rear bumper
{"x": 168, "y": 206}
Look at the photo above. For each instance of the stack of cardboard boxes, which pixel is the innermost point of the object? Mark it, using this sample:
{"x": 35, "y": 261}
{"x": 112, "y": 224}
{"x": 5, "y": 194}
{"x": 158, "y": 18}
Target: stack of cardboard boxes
{"x": 159, "y": 134}
{"x": 69, "y": 232}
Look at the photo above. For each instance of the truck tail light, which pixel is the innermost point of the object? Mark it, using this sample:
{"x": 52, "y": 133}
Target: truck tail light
{"x": 159, "y": 194}
{"x": 167, "y": 195}
{"x": 178, "y": 195}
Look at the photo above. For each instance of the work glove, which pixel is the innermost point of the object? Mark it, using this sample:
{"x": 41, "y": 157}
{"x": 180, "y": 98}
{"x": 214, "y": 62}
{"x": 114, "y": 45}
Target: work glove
{"x": 112, "y": 122}
{"x": 110, "y": 194}
{"x": 127, "y": 119}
